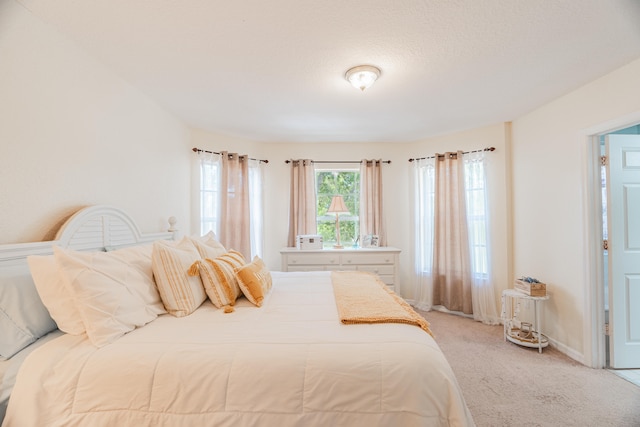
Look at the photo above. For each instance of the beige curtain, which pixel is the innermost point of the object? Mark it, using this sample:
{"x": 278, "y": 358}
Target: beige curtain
{"x": 371, "y": 219}
{"x": 234, "y": 203}
{"x": 302, "y": 200}
{"x": 451, "y": 260}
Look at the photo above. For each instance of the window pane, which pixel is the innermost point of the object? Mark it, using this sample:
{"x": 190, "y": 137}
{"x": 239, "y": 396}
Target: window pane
{"x": 345, "y": 183}
{"x": 425, "y": 193}
{"x": 476, "y": 216}
{"x": 209, "y": 195}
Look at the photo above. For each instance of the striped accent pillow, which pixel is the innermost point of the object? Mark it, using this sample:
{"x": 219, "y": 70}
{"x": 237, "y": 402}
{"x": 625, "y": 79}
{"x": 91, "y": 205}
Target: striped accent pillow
{"x": 219, "y": 278}
{"x": 255, "y": 280}
{"x": 235, "y": 260}
{"x": 181, "y": 293}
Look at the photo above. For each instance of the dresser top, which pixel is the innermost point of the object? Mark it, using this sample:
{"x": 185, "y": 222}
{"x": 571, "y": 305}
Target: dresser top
{"x": 345, "y": 250}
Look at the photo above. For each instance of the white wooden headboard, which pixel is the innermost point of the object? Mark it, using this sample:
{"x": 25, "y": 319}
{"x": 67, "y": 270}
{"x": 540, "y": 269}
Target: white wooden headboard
{"x": 90, "y": 229}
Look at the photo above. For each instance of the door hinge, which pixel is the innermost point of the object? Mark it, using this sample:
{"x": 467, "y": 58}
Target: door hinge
{"x": 606, "y": 329}
{"x": 605, "y": 244}
{"x": 603, "y": 160}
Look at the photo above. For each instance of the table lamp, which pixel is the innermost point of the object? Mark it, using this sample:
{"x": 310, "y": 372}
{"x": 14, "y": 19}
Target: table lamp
{"x": 337, "y": 207}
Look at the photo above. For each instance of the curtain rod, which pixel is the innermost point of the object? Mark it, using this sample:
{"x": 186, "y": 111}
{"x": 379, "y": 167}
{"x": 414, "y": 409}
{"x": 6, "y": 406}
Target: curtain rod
{"x": 339, "y": 161}
{"x": 197, "y": 150}
{"x": 466, "y": 152}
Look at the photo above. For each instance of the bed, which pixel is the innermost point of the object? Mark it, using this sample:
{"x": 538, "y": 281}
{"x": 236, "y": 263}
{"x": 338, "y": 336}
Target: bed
{"x": 287, "y": 361}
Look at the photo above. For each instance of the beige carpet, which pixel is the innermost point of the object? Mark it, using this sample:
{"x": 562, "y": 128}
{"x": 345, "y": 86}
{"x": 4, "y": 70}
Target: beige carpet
{"x": 508, "y": 385}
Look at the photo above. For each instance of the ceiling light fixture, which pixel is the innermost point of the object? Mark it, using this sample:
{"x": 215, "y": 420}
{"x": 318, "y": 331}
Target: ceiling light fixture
{"x": 363, "y": 76}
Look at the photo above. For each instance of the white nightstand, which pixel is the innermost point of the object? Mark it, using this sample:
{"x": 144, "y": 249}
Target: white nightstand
{"x": 516, "y": 331}
{"x": 382, "y": 261}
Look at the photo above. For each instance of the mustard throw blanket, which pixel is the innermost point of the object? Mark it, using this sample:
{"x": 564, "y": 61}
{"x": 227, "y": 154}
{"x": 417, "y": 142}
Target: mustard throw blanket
{"x": 362, "y": 298}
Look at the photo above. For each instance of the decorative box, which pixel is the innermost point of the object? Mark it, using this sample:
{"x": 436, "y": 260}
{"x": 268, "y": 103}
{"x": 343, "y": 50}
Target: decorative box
{"x": 308, "y": 241}
{"x": 531, "y": 289}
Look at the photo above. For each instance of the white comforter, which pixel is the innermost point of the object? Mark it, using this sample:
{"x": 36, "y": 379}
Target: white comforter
{"x": 288, "y": 363}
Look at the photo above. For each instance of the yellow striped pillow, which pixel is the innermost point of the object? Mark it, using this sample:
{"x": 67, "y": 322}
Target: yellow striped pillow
{"x": 255, "y": 280}
{"x": 235, "y": 260}
{"x": 181, "y": 293}
{"x": 219, "y": 278}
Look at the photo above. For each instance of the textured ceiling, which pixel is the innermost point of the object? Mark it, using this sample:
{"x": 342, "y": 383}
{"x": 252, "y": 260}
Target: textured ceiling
{"x": 274, "y": 70}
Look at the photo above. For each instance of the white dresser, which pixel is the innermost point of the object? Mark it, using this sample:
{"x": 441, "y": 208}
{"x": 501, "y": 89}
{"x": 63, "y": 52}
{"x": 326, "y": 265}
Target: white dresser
{"x": 382, "y": 261}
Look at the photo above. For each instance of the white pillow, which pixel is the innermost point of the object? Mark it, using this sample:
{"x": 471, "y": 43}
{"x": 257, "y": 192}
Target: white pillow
{"x": 55, "y": 294}
{"x": 180, "y": 293}
{"x": 113, "y": 291}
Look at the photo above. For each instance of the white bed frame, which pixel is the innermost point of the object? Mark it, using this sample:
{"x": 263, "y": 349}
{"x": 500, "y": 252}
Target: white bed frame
{"x": 93, "y": 228}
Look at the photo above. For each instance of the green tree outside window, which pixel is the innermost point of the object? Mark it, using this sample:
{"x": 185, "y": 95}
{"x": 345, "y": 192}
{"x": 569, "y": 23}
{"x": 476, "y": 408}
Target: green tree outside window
{"x": 331, "y": 183}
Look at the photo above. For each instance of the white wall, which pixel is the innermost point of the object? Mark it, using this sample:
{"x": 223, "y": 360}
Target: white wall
{"x": 549, "y": 197}
{"x": 74, "y": 134}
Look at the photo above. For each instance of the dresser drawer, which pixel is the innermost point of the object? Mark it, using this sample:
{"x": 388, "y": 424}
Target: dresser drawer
{"x": 368, "y": 259}
{"x": 383, "y": 261}
{"x": 313, "y": 259}
{"x": 380, "y": 270}
{"x": 342, "y": 267}
{"x": 386, "y": 279}
{"x": 306, "y": 268}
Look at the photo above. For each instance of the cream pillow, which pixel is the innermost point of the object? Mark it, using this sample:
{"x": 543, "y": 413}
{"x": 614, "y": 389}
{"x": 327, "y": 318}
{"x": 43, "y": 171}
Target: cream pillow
{"x": 254, "y": 280}
{"x": 208, "y": 246}
{"x": 181, "y": 293}
{"x": 55, "y": 294}
{"x": 114, "y": 292}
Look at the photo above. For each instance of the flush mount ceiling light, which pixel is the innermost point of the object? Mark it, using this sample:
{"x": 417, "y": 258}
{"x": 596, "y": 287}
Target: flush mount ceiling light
{"x": 362, "y": 76}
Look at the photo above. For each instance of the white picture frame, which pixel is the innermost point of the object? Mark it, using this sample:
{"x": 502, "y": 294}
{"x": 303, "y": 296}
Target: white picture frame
{"x": 370, "y": 241}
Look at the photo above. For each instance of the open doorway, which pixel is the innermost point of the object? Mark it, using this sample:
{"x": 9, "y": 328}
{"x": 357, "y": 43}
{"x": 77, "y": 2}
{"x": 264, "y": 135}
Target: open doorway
{"x": 612, "y": 216}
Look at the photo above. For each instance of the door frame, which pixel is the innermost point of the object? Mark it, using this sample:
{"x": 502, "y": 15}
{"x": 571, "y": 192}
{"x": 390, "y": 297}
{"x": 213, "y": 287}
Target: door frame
{"x": 594, "y": 338}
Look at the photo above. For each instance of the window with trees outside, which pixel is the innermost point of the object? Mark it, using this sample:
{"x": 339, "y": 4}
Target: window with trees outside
{"x": 338, "y": 182}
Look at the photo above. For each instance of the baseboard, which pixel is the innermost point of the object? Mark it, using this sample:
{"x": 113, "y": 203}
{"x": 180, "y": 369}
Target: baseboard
{"x": 578, "y": 357}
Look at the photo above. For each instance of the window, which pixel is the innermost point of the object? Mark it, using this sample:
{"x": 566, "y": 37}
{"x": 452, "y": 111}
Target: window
{"x": 424, "y": 211}
{"x": 477, "y": 213}
{"x": 475, "y": 198}
{"x": 256, "y": 207}
{"x": 210, "y": 204}
{"x": 209, "y": 195}
{"x": 334, "y": 182}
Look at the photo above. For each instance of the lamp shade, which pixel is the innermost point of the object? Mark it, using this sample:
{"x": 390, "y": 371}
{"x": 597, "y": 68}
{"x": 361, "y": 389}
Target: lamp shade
{"x": 337, "y": 206}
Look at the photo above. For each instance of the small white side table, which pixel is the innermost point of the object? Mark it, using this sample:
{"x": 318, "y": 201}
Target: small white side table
{"x": 516, "y": 331}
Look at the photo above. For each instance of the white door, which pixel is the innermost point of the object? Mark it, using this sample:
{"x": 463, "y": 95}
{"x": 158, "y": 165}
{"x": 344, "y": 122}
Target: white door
{"x": 623, "y": 205}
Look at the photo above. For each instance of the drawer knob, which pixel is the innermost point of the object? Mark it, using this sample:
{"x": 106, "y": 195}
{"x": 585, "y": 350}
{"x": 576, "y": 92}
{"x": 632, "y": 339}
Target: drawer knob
{"x": 332, "y": 261}
{"x": 349, "y": 261}
{"x": 293, "y": 261}
{"x": 375, "y": 270}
